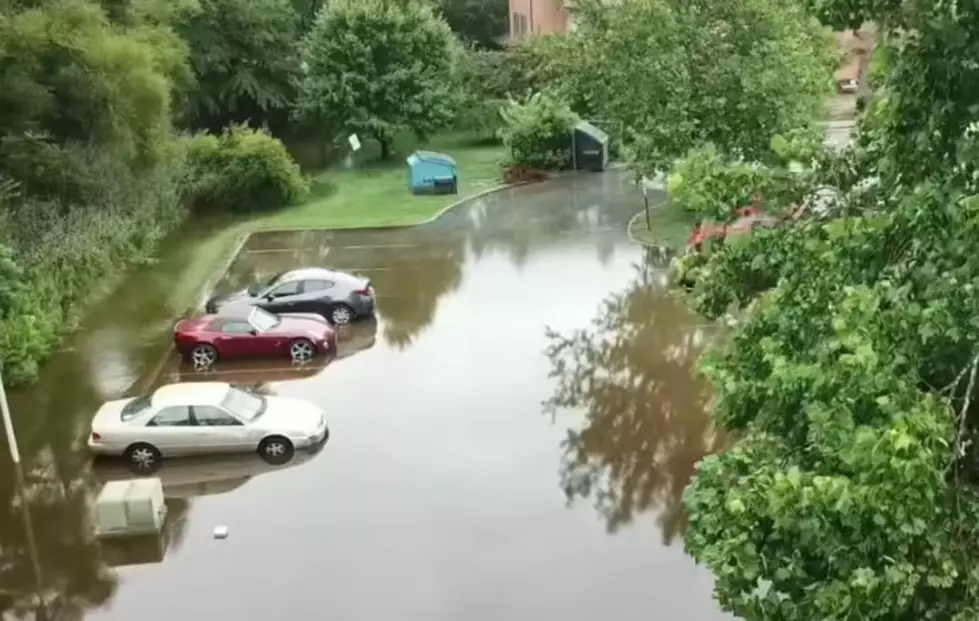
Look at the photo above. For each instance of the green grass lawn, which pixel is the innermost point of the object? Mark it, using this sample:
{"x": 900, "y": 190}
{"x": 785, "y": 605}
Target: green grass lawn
{"x": 373, "y": 193}
{"x": 669, "y": 225}
{"x": 368, "y": 194}
{"x": 376, "y": 193}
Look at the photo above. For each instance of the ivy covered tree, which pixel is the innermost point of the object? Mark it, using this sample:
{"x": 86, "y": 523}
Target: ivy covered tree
{"x": 850, "y": 376}
{"x": 245, "y": 59}
{"x": 680, "y": 74}
{"x": 482, "y": 23}
{"x": 378, "y": 68}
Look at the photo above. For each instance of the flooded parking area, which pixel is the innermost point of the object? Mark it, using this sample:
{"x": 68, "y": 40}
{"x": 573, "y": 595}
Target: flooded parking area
{"x": 509, "y": 439}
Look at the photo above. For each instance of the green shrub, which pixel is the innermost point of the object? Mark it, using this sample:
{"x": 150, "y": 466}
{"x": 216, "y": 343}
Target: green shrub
{"x": 709, "y": 185}
{"x": 537, "y": 132}
{"x": 242, "y": 170}
{"x": 55, "y": 255}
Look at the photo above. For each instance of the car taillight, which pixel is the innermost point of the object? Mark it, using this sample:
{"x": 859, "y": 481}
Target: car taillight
{"x": 96, "y": 437}
{"x": 366, "y": 291}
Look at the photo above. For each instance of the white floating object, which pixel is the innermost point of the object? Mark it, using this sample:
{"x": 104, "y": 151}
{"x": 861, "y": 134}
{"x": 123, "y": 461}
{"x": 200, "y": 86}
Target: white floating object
{"x": 133, "y": 507}
{"x": 354, "y": 142}
{"x": 220, "y": 532}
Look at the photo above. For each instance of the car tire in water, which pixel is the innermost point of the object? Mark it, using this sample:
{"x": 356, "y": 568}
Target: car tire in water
{"x": 276, "y": 449}
{"x": 203, "y": 356}
{"x": 143, "y": 457}
{"x": 341, "y": 314}
{"x": 302, "y": 350}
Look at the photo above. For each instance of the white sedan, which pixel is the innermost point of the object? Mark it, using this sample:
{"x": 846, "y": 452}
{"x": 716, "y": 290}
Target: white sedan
{"x": 196, "y": 418}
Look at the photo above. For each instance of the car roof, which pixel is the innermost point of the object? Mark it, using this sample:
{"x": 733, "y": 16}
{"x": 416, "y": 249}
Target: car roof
{"x": 190, "y": 393}
{"x": 305, "y": 273}
{"x": 238, "y": 314}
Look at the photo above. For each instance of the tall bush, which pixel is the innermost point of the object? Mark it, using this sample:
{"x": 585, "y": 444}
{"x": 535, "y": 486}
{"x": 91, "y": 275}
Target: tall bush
{"x": 537, "y": 132}
{"x": 89, "y": 169}
{"x": 67, "y": 253}
{"x": 482, "y": 79}
{"x": 243, "y": 170}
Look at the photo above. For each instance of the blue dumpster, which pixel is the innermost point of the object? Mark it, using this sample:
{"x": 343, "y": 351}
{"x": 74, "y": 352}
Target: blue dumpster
{"x": 432, "y": 173}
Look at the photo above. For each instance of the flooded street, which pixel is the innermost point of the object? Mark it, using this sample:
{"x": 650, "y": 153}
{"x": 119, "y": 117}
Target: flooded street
{"x": 509, "y": 440}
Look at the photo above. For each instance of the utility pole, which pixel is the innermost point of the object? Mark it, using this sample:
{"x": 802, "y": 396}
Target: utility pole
{"x": 8, "y": 426}
{"x": 645, "y": 203}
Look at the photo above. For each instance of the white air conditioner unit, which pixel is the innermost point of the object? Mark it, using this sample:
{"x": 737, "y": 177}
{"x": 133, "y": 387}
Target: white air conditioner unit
{"x": 133, "y": 507}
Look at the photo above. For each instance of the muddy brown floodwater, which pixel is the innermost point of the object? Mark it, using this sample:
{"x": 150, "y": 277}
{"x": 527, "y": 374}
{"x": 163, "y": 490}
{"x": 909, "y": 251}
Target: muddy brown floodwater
{"x": 510, "y": 439}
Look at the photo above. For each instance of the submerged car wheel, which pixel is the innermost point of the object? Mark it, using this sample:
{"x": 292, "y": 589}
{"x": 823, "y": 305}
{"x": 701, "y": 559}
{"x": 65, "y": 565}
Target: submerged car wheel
{"x": 143, "y": 457}
{"x": 203, "y": 356}
{"x": 341, "y": 315}
{"x": 301, "y": 350}
{"x": 276, "y": 449}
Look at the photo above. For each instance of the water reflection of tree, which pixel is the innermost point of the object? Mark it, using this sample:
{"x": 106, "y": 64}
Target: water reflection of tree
{"x": 71, "y": 576}
{"x": 52, "y": 420}
{"x": 414, "y": 272}
{"x": 632, "y": 372}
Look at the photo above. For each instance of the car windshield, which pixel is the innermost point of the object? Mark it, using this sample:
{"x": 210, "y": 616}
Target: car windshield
{"x": 259, "y": 287}
{"x": 245, "y": 405}
{"x": 135, "y": 407}
{"x": 262, "y": 320}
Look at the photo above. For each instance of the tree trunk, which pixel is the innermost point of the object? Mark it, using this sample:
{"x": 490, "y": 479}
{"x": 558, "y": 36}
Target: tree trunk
{"x": 385, "y": 148}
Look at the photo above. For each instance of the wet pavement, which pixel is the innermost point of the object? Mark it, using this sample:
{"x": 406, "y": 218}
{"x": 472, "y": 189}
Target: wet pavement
{"x": 509, "y": 440}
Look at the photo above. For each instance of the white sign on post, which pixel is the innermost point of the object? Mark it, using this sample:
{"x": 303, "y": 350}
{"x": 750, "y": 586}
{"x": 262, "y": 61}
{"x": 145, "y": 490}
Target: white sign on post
{"x": 354, "y": 142}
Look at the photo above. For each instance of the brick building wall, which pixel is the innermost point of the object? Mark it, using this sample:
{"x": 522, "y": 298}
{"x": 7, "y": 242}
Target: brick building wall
{"x": 534, "y": 17}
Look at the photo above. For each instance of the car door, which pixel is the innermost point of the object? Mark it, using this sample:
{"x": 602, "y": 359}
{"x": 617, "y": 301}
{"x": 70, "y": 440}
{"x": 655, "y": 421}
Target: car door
{"x": 220, "y": 431}
{"x": 238, "y": 341}
{"x": 315, "y": 296}
{"x": 172, "y": 431}
{"x": 282, "y": 298}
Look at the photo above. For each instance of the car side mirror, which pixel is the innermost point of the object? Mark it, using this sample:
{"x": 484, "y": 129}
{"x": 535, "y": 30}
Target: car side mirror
{"x": 269, "y": 298}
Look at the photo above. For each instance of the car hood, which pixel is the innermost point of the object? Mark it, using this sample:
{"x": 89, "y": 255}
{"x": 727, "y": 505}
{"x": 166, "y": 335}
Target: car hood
{"x": 285, "y": 414}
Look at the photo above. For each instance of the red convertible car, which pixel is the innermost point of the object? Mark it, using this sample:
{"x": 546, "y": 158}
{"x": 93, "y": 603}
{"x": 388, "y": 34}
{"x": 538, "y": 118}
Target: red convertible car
{"x": 206, "y": 339}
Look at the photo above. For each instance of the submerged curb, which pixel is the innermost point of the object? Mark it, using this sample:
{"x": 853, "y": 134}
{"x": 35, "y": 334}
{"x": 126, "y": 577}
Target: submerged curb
{"x": 615, "y": 166}
{"x": 208, "y": 288}
{"x": 628, "y": 229}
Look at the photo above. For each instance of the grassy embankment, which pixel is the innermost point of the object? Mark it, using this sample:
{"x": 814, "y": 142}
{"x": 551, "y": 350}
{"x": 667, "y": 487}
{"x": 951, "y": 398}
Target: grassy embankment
{"x": 368, "y": 194}
{"x": 669, "y": 225}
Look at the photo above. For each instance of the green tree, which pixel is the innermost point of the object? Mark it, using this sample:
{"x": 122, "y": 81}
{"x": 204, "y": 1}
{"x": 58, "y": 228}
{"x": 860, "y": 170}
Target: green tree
{"x": 377, "y": 68}
{"x": 245, "y": 59}
{"x": 850, "y": 375}
{"x": 89, "y": 162}
{"x": 680, "y": 74}
{"x": 482, "y": 23}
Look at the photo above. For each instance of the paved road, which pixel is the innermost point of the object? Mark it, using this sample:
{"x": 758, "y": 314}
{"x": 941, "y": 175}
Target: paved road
{"x": 509, "y": 440}
{"x": 839, "y": 133}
